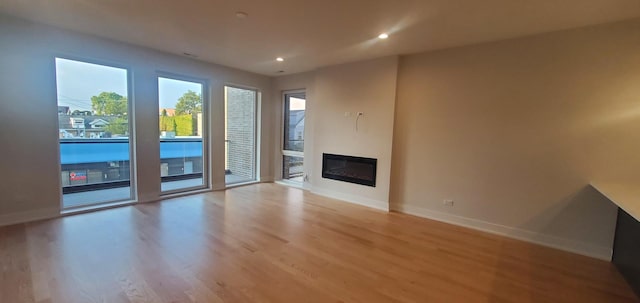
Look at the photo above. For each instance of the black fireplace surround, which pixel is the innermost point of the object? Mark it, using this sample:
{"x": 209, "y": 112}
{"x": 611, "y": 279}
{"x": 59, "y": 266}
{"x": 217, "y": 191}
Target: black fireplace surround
{"x": 356, "y": 170}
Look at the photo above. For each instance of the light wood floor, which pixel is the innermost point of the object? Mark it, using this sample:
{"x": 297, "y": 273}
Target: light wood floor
{"x": 270, "y": 243}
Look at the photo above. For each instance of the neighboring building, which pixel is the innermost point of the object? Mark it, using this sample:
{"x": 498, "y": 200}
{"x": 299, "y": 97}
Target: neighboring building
{"x": 77, "y": 123}
{"x": 63, "y": 110}
{"x": 240, "y": 133}
{"x": 92, "y": 127}
{"x": 296, "y": 128}
{"x": 98, "y": 123}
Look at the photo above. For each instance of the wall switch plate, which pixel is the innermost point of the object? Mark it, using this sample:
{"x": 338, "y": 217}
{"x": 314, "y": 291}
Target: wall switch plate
{"x": 448, "y": 202}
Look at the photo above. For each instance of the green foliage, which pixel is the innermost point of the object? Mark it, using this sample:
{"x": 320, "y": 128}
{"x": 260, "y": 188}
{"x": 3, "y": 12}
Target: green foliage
{"x": 189, "y": 103}
{"x": 182, "y": 125}
{"x": 166, "y": 123}
{"x": 110, "y": 104}
{"x": 118, "y": 126}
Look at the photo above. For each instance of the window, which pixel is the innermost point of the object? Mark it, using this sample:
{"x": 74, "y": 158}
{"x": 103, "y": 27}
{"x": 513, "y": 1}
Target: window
{"x": 182, "y": 131}
{"x": 293, "y": 137}
{"x": 94, "y": 133}
{"x": 240, "y": 134}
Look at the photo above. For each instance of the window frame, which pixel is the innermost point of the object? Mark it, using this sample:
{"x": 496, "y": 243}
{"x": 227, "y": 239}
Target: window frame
{"x": 206, "y": 149}
{"x": 133, "y": 180}
{"x": 257, "y": 130}
{"x": 284, "y": 152}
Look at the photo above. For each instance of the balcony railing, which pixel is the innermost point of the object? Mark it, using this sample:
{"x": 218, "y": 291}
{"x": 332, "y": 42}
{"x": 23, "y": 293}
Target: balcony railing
{"x": 92, "y": 164}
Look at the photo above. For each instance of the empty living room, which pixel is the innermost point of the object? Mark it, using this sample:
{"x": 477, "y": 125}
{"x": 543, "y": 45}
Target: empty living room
{"x": 320, "y": 151}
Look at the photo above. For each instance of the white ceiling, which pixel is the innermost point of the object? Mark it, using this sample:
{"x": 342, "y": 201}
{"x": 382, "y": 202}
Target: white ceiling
{"x": 311, "y": 34}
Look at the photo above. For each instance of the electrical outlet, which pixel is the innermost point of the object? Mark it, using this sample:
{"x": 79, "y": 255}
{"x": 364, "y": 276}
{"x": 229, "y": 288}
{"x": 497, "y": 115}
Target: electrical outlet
{"x": 448, "y": 203}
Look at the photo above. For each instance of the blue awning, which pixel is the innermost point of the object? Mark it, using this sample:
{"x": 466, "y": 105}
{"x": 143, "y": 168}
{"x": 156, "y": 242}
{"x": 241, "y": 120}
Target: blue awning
{"x": 96, "y": 151}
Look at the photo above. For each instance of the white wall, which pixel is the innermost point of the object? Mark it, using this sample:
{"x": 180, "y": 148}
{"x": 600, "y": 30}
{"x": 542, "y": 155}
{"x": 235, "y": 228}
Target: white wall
{"x": 302, "y": 81}
{"x": 514, "y": 132}
{"x": 28, "y": 116}
{"x": 368, "y": 87}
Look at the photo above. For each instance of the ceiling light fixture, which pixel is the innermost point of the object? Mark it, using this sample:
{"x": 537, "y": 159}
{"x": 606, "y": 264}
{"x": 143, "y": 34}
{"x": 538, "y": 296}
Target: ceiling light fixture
{"x": 383, "y": 36}
{"x": 241, "y": 15}
{"x": 279, "y": 59}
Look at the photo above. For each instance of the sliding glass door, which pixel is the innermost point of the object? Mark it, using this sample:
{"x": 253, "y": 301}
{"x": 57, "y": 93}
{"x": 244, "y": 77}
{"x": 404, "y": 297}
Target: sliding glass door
{"x": 94, "y": 133}
{"x": 240, "y": 135}
{"x": 183, "y": 152}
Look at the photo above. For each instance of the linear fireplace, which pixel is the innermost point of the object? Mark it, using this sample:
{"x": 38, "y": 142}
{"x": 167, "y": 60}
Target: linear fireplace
{"x": 349, "y": 169}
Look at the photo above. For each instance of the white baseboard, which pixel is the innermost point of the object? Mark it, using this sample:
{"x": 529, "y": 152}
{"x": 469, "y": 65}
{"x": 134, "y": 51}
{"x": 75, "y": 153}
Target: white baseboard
{"x": 266, "y": 179}
{"x": 290, "y": 184}
{"x": 354, "y": 199}
{"x": 218, "y": 186}
{"x": 29, "y": 216}
{"x": 578, "y": 247}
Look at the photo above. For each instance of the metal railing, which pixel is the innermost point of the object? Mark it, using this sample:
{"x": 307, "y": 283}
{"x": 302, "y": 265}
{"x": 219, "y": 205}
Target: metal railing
{"x": 226, "y": 156}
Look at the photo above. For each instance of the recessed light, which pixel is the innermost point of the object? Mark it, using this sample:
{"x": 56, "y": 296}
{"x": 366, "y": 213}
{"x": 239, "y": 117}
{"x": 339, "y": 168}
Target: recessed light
{"x": 383, "y": 36}
{"x": 279, "y": 59}
{"x": 241, "y": 15}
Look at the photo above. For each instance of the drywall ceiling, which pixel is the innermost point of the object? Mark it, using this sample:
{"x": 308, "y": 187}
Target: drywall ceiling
{"x": 311, "y": 34}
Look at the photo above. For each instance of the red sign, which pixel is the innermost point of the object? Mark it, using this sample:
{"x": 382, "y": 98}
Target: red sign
{"x": 78, "y": 176}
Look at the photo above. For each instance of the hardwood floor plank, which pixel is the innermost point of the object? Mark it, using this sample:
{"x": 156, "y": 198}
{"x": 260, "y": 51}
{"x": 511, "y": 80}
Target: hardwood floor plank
{"x": 270, "y": 243}
{"x": 15, "y": 269}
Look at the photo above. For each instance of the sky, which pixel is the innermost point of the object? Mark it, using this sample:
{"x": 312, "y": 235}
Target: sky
{"x": 296, "y": 103}
{"x": 170, "y": 90}
{"x": 78, "y": 81}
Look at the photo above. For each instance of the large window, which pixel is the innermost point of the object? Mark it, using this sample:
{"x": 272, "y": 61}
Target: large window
{"x": 182, "y": 129}
{"x": 94, "y": 133}
{"x": 240, "y": 134}
{"x": 293, "y": 137}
